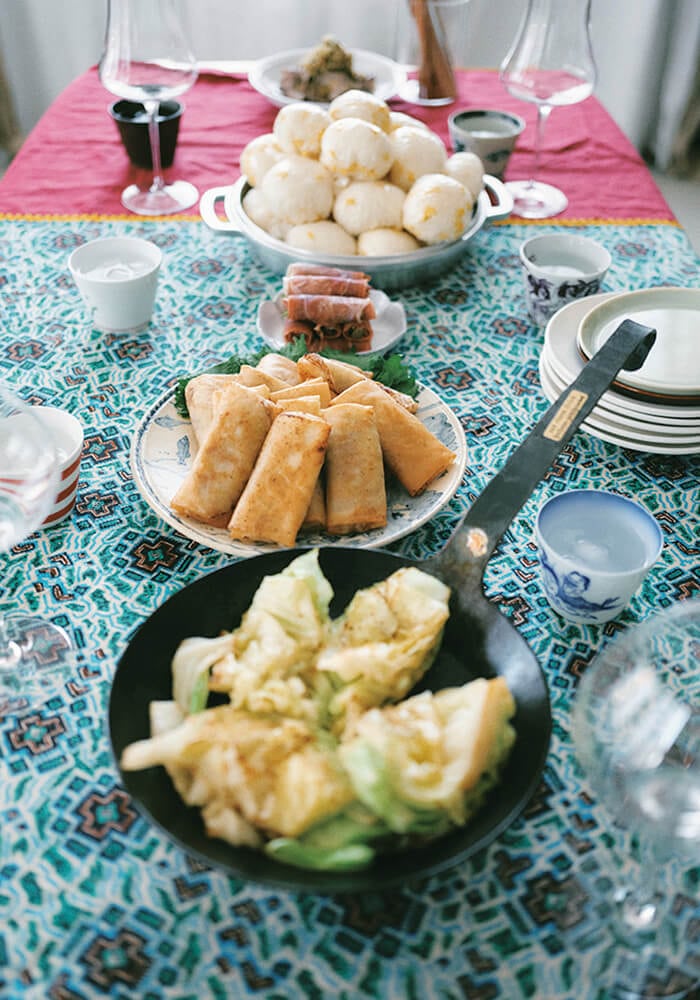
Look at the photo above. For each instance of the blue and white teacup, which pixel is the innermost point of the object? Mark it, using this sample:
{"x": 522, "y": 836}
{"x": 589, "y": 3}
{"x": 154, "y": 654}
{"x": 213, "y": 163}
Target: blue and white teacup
{"x": 595, "y": 549}
{"x": 490, "y": 134}
{"x": 558, "y": 268}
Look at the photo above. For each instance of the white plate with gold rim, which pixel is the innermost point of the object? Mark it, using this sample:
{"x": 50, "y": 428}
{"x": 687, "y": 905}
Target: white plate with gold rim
{"x": 671, "y": 370}
{"x": 566, "y": 360}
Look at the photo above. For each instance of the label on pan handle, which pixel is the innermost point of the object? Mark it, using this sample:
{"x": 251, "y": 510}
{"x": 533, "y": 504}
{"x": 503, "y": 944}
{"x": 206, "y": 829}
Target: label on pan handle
{"x": 567, "y": 412}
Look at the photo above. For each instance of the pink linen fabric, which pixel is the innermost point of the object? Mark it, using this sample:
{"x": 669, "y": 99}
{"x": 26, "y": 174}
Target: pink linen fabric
{"x": 73, "y": 162}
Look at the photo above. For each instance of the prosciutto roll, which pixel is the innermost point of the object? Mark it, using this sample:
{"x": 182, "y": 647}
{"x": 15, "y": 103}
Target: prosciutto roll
{"x": 325, "y": 284}
{"x": 329, "y": 310}
{"x": 337, "y": 272}
{"x": 294, "y": 328}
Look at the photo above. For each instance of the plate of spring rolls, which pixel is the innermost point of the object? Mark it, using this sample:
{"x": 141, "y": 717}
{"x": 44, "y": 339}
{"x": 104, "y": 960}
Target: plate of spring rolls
{"x": 307, "y": 452}
{"x": 331, "y": 307}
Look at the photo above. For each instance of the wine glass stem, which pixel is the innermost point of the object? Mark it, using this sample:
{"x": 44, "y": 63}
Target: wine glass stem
{"x": 642, "y": 903}
{"x": 151, "y": 107}
{"x": 543, "y": 113}
{"x": 9, "y": 653}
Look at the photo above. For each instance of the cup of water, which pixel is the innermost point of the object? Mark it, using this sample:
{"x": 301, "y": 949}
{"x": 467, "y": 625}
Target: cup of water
{"x": 490, "y": 134}
{"x": 117, "y": 278}
{"x": 558, "y": 268}
{"x": 595, "y": 548}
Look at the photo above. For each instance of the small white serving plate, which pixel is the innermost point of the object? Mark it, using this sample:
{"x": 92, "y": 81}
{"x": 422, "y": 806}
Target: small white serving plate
{"x": 388, "y": 326}
{"x": 265, "y": 74}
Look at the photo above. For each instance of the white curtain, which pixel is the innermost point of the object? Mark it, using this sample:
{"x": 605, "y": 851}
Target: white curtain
{"x": 673, "y": 139}
{"x": 643, "y": 47}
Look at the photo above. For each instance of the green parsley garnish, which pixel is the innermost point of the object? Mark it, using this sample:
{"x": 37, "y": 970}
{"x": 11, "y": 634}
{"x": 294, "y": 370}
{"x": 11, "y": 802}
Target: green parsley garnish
{"x": 390, "y": 370}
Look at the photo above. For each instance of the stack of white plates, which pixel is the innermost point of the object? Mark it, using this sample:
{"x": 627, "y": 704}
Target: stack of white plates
{"x": 654, "y": 409}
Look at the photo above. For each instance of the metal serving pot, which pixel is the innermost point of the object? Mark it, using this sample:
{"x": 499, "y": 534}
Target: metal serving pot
{"x": 390, "y": 272}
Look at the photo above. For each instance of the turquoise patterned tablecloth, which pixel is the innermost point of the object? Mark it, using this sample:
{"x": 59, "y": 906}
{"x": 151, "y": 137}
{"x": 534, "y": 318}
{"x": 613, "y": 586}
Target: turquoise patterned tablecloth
{"x": 94, "y": 901}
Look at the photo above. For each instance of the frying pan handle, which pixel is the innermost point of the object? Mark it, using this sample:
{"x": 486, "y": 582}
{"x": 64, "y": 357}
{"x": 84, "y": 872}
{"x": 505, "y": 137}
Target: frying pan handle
{"x": 480, "y": 530}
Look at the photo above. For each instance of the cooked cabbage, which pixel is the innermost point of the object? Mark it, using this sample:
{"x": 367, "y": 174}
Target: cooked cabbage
{"x": 383, "y": 643}
{"x": 427, "y": 763}
{"x": 316, "y": 759}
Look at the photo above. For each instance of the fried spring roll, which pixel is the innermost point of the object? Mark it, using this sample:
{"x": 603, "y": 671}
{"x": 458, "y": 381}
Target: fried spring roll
{"x": 226, "y": 457}
{"x": 200, "y": 396}
{"x": 281, "y": 367}
{"x": 301, "y": 404}
{"x": 411, "y": 451}
{"x": 275, "y": 501}
{"x": 315, "y": 517}
{"x": 355, "y": 488}
{"x": 309, "y": 387}
{"x": 256, "y": 376}
{"x": 340, "y": 375}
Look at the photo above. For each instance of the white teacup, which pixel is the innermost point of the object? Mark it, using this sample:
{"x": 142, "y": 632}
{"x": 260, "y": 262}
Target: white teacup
{"x": 117, "y": 278}
{"x": 558, "y": 268}
{"x": 595, "y": 549}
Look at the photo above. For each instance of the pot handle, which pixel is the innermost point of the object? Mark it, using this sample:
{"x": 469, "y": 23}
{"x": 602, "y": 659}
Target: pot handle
{"x": 500, "y": 200}
{"x": 463, "y": 558}
{"x": 207, "y": 209}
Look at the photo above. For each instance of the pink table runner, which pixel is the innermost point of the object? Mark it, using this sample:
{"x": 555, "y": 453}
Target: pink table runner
{"x": 73, "y": 162}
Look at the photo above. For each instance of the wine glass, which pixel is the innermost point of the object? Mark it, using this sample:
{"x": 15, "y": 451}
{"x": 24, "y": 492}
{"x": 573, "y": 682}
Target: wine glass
{"x": 34, "y": 654}
{"x": 636, "y": 731}
{"x": 147, "y": 58}
{"x": 550, "y": 64}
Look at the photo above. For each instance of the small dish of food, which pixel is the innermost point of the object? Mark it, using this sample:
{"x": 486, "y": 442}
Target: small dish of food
{"x": 320, "y": 74}
{"x": 312, "y": 755}
{"x": 251, "y": 467}
{"x": 356, "y": 181}
{"x": 331, "y": 308}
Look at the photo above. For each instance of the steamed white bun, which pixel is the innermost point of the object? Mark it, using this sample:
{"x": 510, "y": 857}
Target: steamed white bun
{"x": 385, "y": 241}
{"x": 298, "y": 128}
{"x": 468, "y": 169}
{"x": 416, "y": 151}
{"x": 323, "y": 237}
{"x": 257, "y": 209}
{"x": 353, "y": 147}
{"x": 258, "y": 156}
{"x": 298, "y": 190}
{"x": 436, "y": 208}
{"x": 369, "y": 205}
{"x": 360, "y": 104}
{"x": 399, "y": 118}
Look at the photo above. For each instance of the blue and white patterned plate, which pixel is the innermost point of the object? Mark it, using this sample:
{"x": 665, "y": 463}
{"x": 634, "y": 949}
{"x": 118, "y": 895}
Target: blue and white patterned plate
{"x": 163, "y": 447}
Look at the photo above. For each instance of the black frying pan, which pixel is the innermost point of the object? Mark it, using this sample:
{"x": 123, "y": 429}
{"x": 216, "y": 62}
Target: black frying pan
{"x": 478, "y": 641}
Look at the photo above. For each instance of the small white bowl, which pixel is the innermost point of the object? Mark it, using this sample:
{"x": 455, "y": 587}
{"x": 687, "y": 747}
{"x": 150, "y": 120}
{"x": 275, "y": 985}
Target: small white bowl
{"x": 595, "y": 548}
{"x": 117, "y": 279}
{"x": 67, "y": 434}
{"x": 558, "y": 268}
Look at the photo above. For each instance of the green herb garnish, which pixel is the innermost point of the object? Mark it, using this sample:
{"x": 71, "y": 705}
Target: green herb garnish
{"x": 390, "y": 370}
